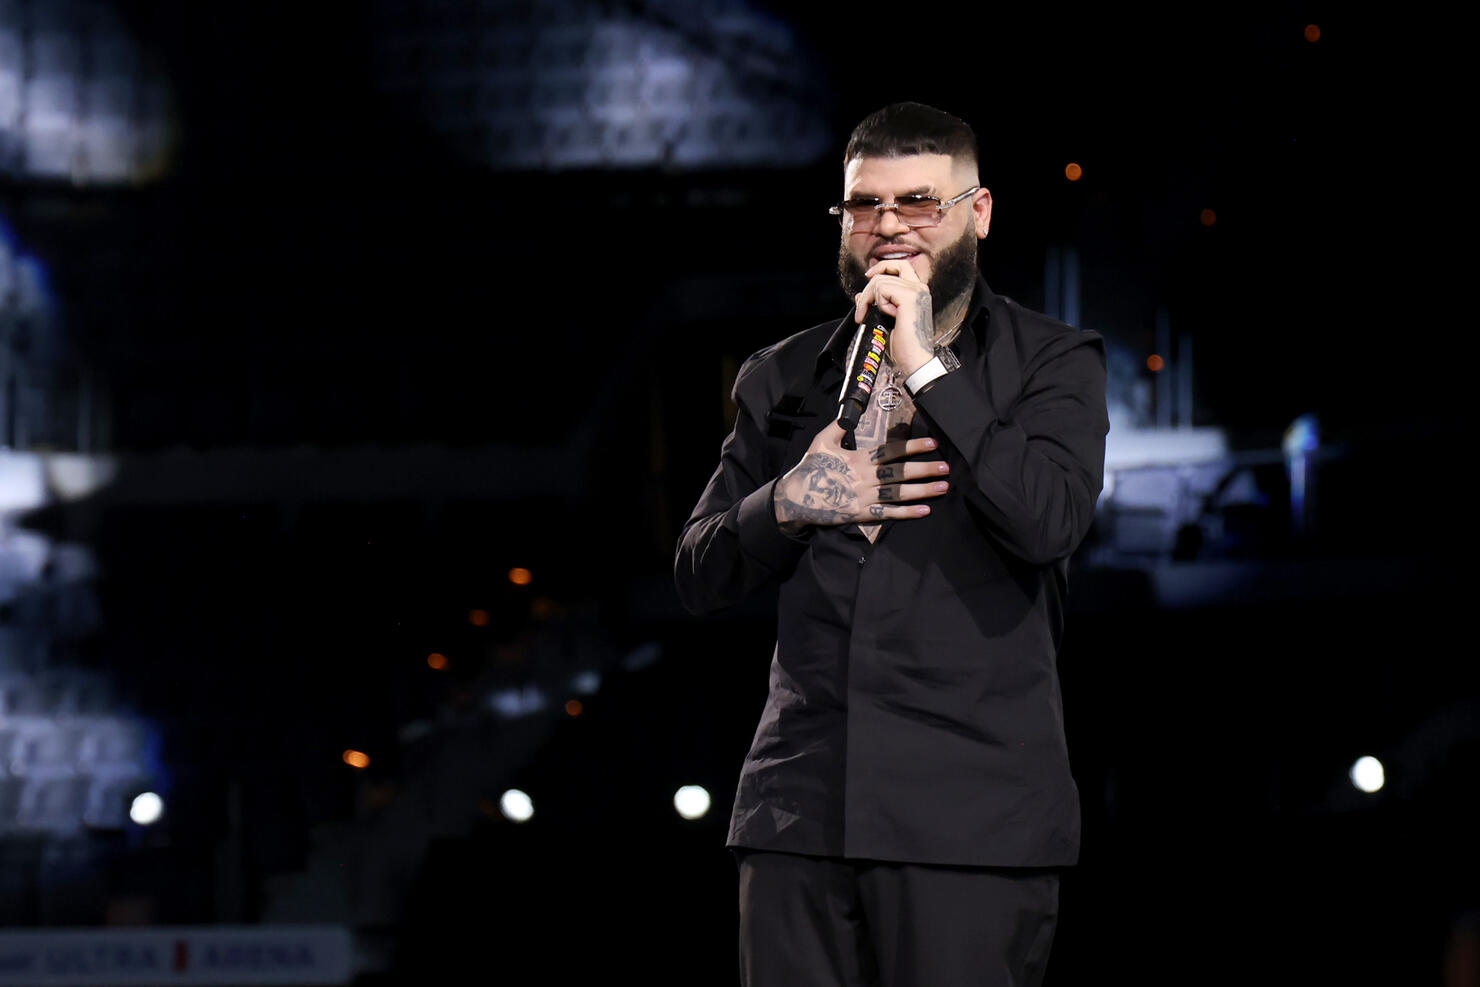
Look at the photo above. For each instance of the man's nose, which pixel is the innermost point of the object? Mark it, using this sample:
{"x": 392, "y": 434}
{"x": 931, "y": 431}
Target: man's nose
{"x": 889, "y": 224}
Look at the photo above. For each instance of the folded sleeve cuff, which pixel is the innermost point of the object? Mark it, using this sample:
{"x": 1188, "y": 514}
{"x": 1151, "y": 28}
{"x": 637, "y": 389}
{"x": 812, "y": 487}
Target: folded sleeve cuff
{"x": 933, "y": 369}
{"x": 761, "y": 538}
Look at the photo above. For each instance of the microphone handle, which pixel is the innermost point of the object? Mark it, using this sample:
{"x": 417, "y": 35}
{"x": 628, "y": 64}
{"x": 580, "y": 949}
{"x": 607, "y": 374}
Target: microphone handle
{"x": 864, "y": 363}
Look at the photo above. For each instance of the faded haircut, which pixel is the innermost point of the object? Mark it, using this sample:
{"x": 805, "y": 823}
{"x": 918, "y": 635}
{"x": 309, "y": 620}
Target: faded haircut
{"x": 903, "y": 129}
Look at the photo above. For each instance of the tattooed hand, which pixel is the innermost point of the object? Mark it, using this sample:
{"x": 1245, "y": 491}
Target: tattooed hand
{"x": 833, "y": 485}
{"x": 896, "y": 288}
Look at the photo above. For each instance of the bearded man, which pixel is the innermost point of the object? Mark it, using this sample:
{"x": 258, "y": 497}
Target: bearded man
{"x": 907, "y": 805}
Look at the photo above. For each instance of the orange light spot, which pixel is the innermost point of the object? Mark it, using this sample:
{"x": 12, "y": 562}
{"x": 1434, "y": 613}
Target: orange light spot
{"x": 478, "y": 618}
{"x": 357, "y": 759}
{"x": 1155, "y": 363}
{"x": 521, "y": 577}
{"x": 1208, "y": 217}
{"x": 437, "y": 660}
{"x": 573, "y": 707}
{"x": 1073, "y": 172}
{"x": 1312, "y": 33}
{"x": 544, "y": 608}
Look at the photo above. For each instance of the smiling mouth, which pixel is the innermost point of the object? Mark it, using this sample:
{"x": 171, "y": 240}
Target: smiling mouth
{"x": 895, "y": 255}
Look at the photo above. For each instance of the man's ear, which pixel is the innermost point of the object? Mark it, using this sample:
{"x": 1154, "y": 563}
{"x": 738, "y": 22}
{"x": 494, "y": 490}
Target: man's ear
{"x": 981, "y": 209}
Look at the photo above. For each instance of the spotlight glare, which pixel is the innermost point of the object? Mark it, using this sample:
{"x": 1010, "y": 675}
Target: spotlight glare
{"x": 1367, "y": 774}
{"x": 1073, "y": 172}
{"x": 146, "y": 808}
{"x": 691, "y": 801}
{"x": 356, "y": 759}
{"x": 521, "y": 577}
{"x": 516, "y": 806}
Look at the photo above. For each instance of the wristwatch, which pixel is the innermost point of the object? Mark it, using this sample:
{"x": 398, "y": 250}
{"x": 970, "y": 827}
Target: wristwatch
{"x": 937, "y": 367}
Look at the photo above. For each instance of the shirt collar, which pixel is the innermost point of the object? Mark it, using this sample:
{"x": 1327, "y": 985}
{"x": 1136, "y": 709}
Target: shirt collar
{"x": 835, "y": 350}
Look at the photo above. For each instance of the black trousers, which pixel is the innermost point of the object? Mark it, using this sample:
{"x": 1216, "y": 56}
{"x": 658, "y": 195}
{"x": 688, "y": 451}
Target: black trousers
{"x": 825, "y": 922}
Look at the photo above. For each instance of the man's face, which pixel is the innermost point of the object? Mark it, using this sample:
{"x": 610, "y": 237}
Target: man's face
{"x": 943, "y": 256}
{"x": 826, "y": 492}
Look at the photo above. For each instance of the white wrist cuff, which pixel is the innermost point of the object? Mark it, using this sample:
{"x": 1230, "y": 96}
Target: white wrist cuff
{"x": 925, "y": 375}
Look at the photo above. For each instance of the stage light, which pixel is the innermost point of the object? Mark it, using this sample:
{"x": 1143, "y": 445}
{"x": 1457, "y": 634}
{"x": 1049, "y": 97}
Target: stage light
{"x": 478, "y": 618}
{"x": 1207, "y": 217}
{"x": 573, "y": 707}
{"x": 1155, "y": 363}
{"x": 437, "y": 660}
{"x": 521, "y": 577}
{"x": 516, "y": 806}
{"x": 356, "y": 759}
{"x": 1301, "y": 441}
{"x": 517, "y": 701}
{"x": 146, "y": 808}
{"x": 1312, "y": 33}
{"x": 1367, "y": 774}
{"x": 1073, "y": 172}
{"x": 691, "y": 801}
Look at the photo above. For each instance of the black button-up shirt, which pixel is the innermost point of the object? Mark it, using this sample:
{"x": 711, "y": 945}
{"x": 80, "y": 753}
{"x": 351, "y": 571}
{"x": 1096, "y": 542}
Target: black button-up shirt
{"x": 914, "y": 710}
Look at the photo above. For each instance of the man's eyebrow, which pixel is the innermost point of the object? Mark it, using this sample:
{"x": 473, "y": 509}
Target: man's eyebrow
{"x": 917, "y": 190}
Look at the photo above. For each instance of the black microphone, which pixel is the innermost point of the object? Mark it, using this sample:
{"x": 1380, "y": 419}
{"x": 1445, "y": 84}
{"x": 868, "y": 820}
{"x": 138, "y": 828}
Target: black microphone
{"x": 864, "y": 361}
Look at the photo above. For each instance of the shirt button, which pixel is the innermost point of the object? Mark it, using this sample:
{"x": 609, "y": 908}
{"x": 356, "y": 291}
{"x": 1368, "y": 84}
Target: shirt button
{"x": 862, "y": 559}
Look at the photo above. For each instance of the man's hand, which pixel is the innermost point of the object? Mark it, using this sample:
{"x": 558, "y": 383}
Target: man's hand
{"x": 896, "y": 288}
{"x": 833, "y": 485}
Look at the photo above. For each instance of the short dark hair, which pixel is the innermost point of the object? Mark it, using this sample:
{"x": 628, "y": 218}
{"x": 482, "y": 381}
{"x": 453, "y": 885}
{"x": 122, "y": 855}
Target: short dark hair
{"x": 902, "y": 129}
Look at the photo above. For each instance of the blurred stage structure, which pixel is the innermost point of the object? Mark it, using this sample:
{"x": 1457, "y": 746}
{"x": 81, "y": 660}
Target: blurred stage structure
{"x": 568, "y": 86}
{"x": 290, "y": 538}
{"x": 81, "y": 101}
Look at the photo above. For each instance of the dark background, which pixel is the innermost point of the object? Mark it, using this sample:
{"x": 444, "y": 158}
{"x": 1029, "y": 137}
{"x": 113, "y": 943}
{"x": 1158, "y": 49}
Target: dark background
{"x": 354, "y": 367}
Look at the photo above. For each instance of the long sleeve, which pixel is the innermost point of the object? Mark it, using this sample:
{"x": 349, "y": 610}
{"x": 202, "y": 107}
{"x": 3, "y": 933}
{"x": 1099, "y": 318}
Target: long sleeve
{"x": 1034, "y": 476}
{"x": 731, "y": 544}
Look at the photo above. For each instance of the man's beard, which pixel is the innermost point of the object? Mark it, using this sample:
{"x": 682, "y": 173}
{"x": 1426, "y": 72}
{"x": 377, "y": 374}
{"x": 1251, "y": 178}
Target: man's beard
{"x": 952, "y": 273}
